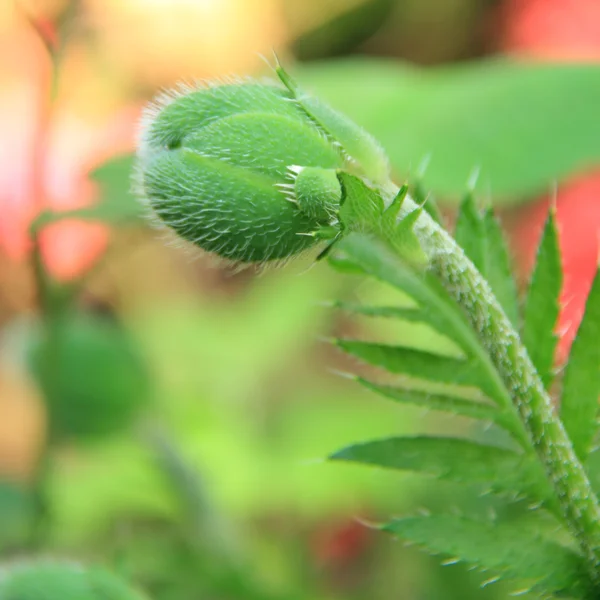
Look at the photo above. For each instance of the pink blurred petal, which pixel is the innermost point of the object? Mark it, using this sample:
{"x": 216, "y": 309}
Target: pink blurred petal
{"x": 46, "y": 157}
{"x": 24, "y": 77}
{"x": 71, "y": 247}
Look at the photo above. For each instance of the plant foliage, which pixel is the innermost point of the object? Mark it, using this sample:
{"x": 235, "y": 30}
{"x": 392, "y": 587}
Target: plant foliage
{"x": 468, "y": 385}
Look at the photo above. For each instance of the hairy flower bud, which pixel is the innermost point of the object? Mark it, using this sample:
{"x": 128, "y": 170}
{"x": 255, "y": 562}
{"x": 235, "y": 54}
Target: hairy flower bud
{"x": 247, "y": 170}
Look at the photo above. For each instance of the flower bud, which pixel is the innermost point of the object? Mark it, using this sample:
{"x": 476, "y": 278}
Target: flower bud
{"x": 247, "y": 170}
{"x": 53, "y": 580}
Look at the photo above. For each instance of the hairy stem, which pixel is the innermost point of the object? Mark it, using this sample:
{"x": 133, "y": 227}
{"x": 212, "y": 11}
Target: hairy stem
{"x": 546, "y": 433}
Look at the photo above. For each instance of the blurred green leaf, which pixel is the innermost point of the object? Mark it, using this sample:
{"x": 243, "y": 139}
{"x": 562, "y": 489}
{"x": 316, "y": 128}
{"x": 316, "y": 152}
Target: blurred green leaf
{"x": 506, "y": 550}
{"x": 342, "y": 33}
{"x": 464, "y": 461}
{"x": 524, "y": 125}
{"x": 542, "y": 304}
{"x": 581, "y": 384}
{"x": 117, "y": 202}
{"x": 116, "y": 205}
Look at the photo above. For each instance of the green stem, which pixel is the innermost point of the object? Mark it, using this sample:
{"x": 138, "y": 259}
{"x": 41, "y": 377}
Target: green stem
{"x": 546, "y": 433}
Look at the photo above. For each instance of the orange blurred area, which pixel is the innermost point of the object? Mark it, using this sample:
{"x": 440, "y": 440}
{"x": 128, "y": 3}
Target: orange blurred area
{"x": 160, "y": 41}
{"x": 22, "y": 425}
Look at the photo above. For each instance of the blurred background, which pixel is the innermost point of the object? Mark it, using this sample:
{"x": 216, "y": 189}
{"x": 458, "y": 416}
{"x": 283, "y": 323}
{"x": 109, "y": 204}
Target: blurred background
{"x": 169, "y": 417}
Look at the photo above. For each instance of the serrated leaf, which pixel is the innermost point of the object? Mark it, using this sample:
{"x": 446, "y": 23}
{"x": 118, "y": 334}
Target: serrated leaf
{"x": 498, "y": 270}
{"x": 464, "y": 461}
{"x": 510, "y": 550}
{"x": 434, "y": 401}
{"x": 480, "y": 236}
{"x": 581, "y": 384}
{"x": 474, "y": 409}
{"x": 427, "y": 201}
{"x": 542, "y": 303}
{"x": 406, "y": 242}
{"x": 389, "y": 219}
{"x": 415, "y": 363}
{"x": 361, "y": 206}
{"x": 376, "y": 259}
{"x": 412, "y": 314}
{"x": 470, "y": 232}
{"x": 371, "y": 257}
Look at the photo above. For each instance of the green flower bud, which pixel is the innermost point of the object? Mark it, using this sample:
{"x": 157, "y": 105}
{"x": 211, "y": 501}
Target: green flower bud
{"x": 247, "y": 170}
{"x": 92, "y": 375}
{"x": 61, "y": 581}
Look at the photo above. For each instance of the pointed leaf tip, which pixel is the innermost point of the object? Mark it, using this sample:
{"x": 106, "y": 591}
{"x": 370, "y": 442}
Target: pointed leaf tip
{"x": 542, "y": 306}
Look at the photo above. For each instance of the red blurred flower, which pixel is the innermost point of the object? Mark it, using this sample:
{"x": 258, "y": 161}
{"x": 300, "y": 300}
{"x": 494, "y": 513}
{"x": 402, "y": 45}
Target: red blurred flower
{"x": 553, "y": 29}
{"x": 341, "y": 544}
{"x": 48, "y": 150}
{"x": 566, "y": 30}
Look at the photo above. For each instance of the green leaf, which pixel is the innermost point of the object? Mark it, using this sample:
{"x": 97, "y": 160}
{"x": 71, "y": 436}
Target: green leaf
{"x": 511, "y": 551}
{"x": 445, "y": 402}
{"x": 427, "y": 201}
{"x": 371, "y": 257}
{"x": 542, "y": 304}
{"x": 499, "y": 470}
{"x": 415, "y": 363}
{"x": 389, "y": 219}
{"x": 406, "y": 242}
{"x": 116, "y": 205}
{"x": 379, "y": 261}
{"x": 361, "y": 206}
{"x": 498, "y": 270}
{"x": 480, "y": 236}
{"x": 495, "y": 114}
{"x": 411, "y": 314}
{"x": 470, "y": 232}
{"x": 581, "y": 384}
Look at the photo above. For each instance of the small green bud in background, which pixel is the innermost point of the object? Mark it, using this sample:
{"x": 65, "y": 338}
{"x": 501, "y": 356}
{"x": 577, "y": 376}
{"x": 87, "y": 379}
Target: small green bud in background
{"x": 248, "y": 170}
{"x": 61, "y": 581}
{"x": 92, "y": 375}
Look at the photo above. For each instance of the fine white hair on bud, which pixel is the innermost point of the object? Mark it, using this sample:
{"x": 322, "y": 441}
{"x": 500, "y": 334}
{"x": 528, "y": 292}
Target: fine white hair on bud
{"x": 248, "y": 170}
